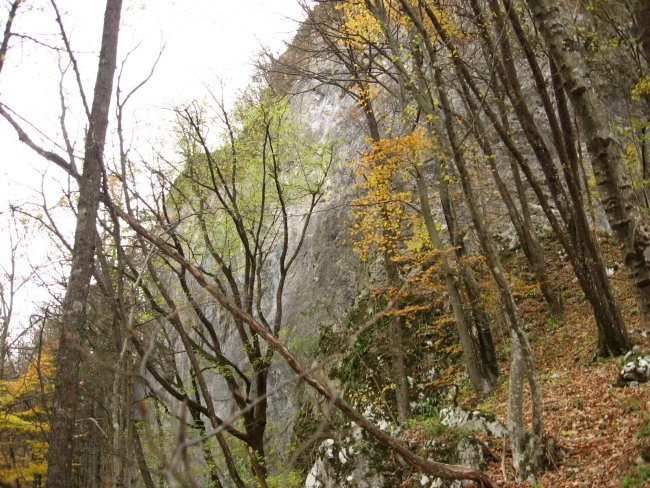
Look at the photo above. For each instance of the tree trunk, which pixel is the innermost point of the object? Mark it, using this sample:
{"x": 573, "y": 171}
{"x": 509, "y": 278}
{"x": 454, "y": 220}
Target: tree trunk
{"x": 577, "y": 244}
{"x": 521, "y": 220}
{"x": 396, "y": 340}
{"x": 73, "y": 321}
{"x": 478, "y": 350}
{"x": 644, "y": 28}
{"x": 526, "y": 447}
{"x": 398, "y": 372}
{"x": 487, "y": 361}
{"x": 625, "y": 214}
{"x": 476, "y": 369}
{"x": 142, "y": 462}
{"x": 566, "y": 193}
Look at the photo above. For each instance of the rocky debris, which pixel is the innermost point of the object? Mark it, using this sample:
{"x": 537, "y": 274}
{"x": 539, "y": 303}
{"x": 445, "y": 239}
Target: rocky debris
{"x": 357, "y": 461}
{"x": 458, "y": 444}
{"x": 636, "y": 369}
{"x": 475, "y": 421}
{"x": 348, "y": 463}
{"x": 459, "y": 448}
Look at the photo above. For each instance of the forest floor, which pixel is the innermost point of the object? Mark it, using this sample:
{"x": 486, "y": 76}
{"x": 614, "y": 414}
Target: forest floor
{"x": 600, "y": 429}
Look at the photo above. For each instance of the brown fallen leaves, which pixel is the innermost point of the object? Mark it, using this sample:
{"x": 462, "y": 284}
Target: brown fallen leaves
{"x": 594, "y": 423}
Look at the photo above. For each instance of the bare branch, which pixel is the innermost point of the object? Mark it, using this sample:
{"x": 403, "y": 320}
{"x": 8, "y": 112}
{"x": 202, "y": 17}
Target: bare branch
{"x": 73, "y": 60}
{"x": 7, "y": 34}
{"x": 48, "y": 155}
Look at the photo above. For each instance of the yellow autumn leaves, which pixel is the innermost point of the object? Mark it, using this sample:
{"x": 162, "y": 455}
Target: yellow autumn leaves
{"x": 364, "y": 20}
{"x": 383, "y": 215}
{"x": 24, "y": 423}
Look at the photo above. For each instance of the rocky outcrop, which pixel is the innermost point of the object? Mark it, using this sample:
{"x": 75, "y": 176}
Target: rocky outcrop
{"x": 355, "y": 461}
{"x": 474, "y": 421}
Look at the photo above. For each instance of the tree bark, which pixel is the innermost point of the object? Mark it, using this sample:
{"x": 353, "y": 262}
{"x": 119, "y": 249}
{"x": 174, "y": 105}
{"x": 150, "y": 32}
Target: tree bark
{"x": 625, "y": 214}
{"x": 142, "y": 462}
{"x": 73, "y": 321}
{"x": 520, "y": 220}
{"x": 479, "y": 353}
{"x": 609, "y": 321}
{"x": 398, "y": 366}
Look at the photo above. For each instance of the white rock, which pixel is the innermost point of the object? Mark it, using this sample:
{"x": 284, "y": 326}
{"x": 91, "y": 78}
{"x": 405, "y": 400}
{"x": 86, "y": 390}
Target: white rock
{"x": 342, "y": 457}
{"x": 312, "y": 480}
{"x": 357, "y": 432}
{"x": 628, "y": 368}
{"x": 475, "y": 421}
{"x": 329, "y": 452}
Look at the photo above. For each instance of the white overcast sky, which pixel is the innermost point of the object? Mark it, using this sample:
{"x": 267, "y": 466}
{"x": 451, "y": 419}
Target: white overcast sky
{"x": 206, "y": 43}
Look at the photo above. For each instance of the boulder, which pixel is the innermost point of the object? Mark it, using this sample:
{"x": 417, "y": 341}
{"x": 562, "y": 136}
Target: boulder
{"x": 636, "y": 369}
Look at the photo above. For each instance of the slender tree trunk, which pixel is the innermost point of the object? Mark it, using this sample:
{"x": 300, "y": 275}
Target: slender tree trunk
{"x": 3, "y": 346}
{"x": 483, "y": 337}
{"x": 479, "y": 352}
{"x": 625, "y": 214}
{"x": 577, "y": 244}
{"x": 475, "y": 367}
{"x": 8, "y": 299}
{"x": 73, "y": 321}
{"x": 142, "y": 462}
{"x": 521, "y": 220}
{"x": 608, "y": 317}
{"x": 198, "y": 381}
{"x": 398, "y": 358}
{"x": 527, "y": 447}
{"x": 121, "y": 424}
{"x": 210, "y": 462}
{"x": 644, "y": 28}
{"x": 568, "y": 196}
{"x": 398, "y": 366}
